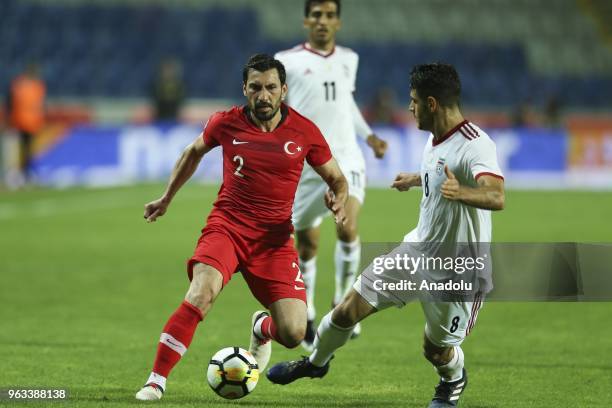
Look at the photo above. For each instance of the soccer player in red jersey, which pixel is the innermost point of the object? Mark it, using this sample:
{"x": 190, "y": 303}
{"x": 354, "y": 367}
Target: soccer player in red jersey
{"x": 249, "y": 229}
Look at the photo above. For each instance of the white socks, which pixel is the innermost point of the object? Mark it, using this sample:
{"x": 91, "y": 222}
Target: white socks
{"x": 309, "y": 274}
{"x": 346, "y": 259}
{"x": 452, "y": 371}
{"x": 329, "y": 338}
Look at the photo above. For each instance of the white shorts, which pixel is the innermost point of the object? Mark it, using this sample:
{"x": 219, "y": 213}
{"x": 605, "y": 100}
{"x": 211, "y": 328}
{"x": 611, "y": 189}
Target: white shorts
{"x": 447, "y": 322}
{"x": 309, "y": 205}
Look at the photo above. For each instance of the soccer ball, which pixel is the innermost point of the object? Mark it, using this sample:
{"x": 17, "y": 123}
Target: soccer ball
{"x": 232, "y": 372}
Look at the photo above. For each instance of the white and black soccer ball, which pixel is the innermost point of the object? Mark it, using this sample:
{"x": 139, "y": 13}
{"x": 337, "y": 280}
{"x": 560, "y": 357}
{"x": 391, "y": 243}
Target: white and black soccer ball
{"x": 232, "y": 372}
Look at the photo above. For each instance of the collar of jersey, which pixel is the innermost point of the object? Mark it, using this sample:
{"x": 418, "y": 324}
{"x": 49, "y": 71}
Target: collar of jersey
{"x": 448, "y": 134}
{"x": 307, "y": 47}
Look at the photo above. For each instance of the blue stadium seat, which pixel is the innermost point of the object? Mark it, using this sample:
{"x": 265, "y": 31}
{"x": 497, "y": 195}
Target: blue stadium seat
{"x": 113, "y": 50}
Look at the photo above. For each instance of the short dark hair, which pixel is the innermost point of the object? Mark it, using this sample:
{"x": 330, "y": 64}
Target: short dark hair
{"x": 438, "y": 80}
{"x": 309, "y": 3}
{"x": 263, "y": 63}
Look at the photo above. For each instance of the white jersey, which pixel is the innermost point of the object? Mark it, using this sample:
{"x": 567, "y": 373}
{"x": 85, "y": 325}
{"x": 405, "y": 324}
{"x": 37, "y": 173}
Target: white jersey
{"x": 449, "y": 228}
{"x": 443, "y": 227}
{"x": 469, "y": 153}
{"x": 321, "y": 88}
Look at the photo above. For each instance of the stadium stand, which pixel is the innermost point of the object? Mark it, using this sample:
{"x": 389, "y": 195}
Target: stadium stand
{"x": 506, "y": 51}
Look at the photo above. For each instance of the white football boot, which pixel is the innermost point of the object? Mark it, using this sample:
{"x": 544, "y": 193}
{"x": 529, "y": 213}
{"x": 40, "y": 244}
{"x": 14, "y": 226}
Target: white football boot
{"x": 150, "y": 392}
{"x": 260, "y": 348}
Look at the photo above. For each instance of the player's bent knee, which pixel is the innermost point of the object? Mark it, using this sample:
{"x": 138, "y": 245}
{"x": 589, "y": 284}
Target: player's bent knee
{"x": 438, "y": 356}
{"x": 348, "y": 232}
{"x": 204, "y": 288}
{"x": 291, "y": 336}
{"x": 307, "y": 254}
{"x": 201, "y": 296}
{"x": 307, "y": 243}
{"x": 307, "y": 250}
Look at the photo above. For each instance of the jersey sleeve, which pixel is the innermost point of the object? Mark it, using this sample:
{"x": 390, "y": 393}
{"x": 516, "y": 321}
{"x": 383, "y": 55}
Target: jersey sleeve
{"x": 211, "y": 131}
{"x": 319, "y": 152}
{"x": 482, "y": 158}
{"x": 362, "y": 128}
{"x": 354, "y": 72}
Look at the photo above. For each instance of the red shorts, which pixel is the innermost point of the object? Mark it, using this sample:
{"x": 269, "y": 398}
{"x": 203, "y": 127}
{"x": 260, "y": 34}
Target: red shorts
{"x": 270, "y": 270}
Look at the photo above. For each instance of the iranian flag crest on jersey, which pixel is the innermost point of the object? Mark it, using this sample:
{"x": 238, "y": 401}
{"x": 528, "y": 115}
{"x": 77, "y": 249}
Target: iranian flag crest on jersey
{"x": 440, "y": 166}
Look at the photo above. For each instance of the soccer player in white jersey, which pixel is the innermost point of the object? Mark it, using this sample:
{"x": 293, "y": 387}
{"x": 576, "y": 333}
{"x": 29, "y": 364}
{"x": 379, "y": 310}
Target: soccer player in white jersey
{"x": 461, "y": 183}
{"x": 321, "y": 77}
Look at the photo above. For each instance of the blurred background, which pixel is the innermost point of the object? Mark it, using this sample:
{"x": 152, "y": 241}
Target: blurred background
{"x": 126, "y": 85}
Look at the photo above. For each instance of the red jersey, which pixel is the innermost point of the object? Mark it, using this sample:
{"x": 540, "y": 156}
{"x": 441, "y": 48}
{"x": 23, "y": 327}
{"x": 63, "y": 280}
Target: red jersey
{"x": 261, "y": 170}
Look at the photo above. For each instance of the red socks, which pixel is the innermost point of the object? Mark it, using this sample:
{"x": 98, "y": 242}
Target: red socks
{"x": 176, "y": 337}
{"x": 268, "y": 329}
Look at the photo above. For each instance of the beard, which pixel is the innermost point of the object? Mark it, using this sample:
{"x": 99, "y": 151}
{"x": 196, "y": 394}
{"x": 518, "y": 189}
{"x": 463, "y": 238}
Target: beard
{"x": 265, "y": 116}
{"x": 425, "y": 122}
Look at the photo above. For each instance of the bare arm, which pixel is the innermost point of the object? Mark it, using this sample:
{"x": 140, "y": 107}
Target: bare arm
{"x": 184, "y": 168}
{"x": 489, "y": 195}
{"x": 404, "y": 181}
{"x": 336, "y": 197}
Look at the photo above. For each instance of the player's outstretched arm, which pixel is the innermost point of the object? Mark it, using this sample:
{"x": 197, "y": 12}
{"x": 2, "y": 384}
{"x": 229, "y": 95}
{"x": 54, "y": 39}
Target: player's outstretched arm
{"x": 378, "y": 145}
{"x": 404, "y": 181}
{"x": 336, "y": 197}
{"x": 184, "y": 168}
{"x": 489, "y": 195}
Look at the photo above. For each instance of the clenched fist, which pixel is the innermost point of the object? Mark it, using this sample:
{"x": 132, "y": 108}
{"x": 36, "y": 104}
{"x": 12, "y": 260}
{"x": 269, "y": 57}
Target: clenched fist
{"x": 404, "y": 181}
{"x": 156, "y": 209}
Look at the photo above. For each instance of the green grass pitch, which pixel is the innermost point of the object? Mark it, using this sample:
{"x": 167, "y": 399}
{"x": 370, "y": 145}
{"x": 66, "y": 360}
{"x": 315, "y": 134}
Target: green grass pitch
{"x": 86, "y": 286}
